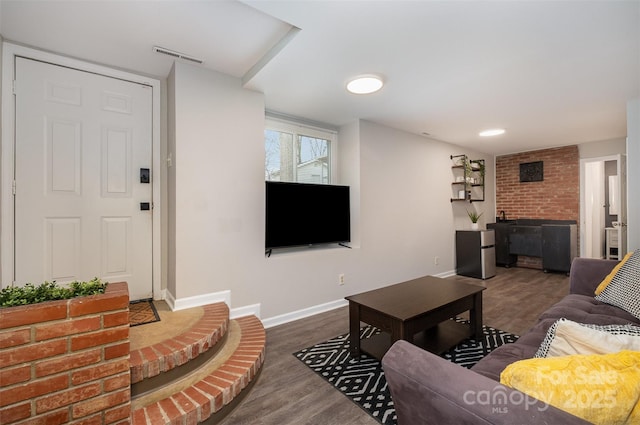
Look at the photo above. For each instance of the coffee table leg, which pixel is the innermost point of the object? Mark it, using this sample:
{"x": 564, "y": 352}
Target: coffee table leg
{"x": 354, "y": 329}
{"x": 475, "y": 316}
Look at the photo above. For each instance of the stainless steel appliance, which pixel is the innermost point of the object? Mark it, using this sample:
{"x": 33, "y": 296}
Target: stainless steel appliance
{"x": 476, "y": 253}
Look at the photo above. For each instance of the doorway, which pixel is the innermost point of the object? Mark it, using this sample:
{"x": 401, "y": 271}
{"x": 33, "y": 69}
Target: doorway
{"x": 74, "y": 151}
{"x": 603, "y": 207}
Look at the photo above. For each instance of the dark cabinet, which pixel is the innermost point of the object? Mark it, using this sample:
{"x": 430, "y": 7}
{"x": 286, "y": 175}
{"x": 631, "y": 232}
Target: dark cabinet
{"x": 555, "y": 241}
{"x": 559, "y": 247}
{"x": 503, "y": 256}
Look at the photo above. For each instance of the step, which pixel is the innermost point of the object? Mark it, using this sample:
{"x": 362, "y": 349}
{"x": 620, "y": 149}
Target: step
{"x": 207, "y": 392}
{"x": 175, "y": 351}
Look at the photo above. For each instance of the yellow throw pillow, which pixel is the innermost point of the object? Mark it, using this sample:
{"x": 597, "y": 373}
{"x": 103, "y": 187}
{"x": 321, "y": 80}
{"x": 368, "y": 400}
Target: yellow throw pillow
{"x": 602, "y": 389}
{"x": 607, "y": 280}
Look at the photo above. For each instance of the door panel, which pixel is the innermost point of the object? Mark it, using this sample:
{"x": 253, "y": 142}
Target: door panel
{"x": 80, "y": 137}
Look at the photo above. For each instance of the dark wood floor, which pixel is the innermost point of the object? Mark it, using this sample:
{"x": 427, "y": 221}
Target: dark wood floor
{"x": 289, "y": 393}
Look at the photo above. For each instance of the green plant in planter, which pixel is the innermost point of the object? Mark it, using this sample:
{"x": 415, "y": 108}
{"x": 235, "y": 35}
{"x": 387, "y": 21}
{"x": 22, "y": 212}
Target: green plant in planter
{"x": 49, "y": 291}
{"x": 474, "y": 216}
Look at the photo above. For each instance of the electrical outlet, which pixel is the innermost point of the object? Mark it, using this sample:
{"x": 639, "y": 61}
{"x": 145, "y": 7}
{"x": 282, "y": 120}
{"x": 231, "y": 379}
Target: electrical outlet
{"x": 341, "y": 279}
{"x": 436, "y": 260}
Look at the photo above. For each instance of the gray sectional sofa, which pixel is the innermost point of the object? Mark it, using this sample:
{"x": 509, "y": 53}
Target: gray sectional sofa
{"x": 427, "y": 389}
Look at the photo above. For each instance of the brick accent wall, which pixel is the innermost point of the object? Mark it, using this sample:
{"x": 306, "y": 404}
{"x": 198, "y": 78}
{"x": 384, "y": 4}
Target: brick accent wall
{"x": 67, "y": 361}
{"x": 557, "y": 197}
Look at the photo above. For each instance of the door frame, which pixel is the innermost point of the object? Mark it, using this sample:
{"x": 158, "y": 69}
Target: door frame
{"x": 583, "y": 162}
{"x": 7, "y": 153}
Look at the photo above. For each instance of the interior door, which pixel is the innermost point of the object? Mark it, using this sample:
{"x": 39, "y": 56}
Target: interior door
{"x": 594, "y": 209}
{"x": 82, "y": 140}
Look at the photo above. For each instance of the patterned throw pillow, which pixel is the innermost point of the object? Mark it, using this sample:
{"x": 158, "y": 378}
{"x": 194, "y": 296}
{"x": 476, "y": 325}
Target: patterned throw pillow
{"x": 607, "y": 280}
{"x": 566, "y": 337}
{"x": 624, "y": 289}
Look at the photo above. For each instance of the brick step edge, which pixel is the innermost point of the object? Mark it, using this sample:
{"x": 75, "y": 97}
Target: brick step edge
{"x": 198, "y": 402}
{"x": 164, "y": 356}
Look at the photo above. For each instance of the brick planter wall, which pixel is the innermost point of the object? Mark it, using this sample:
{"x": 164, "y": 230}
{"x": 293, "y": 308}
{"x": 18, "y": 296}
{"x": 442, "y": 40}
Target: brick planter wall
{"x": 557, "y": 197}
{"x": 66, "y": 361}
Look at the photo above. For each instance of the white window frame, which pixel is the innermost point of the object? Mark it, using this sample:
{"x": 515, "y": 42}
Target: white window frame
{"x": 303, "y": 129}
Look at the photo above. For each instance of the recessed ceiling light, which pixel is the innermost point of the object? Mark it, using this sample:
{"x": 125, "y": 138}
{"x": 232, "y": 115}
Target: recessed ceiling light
{"x": 492, "y": 132}
{"x": 365, "y": 84}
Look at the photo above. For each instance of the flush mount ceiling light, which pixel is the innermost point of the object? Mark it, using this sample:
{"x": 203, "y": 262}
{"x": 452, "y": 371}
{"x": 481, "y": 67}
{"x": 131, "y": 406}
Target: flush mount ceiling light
{"x": 365, "y": 84}
{"x": 492, "y": 132}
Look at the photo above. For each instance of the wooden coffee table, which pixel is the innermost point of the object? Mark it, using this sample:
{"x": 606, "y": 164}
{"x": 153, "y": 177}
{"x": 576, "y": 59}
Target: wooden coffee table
{"x": 417, "y": 311}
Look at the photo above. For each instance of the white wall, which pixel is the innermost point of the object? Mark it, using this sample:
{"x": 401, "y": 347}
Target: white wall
{"x": 401, "y": 210}
{"x": 633, "y": 174}
{"x": 603, "y": 148}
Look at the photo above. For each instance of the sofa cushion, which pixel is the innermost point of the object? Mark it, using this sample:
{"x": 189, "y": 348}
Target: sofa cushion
{"x": 586, "y": 309}
{"x": 579, "y": 308}
{"x": 599, "y": 388}
{"x": 524, "y": 348}
{"x": 566, "y": 337}
{"x": 624, "y": 289}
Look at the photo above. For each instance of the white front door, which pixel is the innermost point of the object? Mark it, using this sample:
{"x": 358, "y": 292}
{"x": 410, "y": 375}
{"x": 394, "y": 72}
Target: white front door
{"x": 82, "y": 140}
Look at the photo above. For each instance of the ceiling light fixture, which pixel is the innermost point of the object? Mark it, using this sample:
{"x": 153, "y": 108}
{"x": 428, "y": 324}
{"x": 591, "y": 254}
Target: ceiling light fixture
{"x": 492, "y": 132}
{"x": 365, "y": 84}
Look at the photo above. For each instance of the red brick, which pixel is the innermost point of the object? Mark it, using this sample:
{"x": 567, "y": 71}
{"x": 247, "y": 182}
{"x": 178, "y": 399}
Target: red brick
{"x": 171, "y": 411}
{"x": 33, "y": 389}
{"x": 15, "y": 375}
{"x": 154, "y": 413}
{"x": 92, "y": 420}
{"x": 217, "y": 388}
{"x": 116, "y": 350}
{"x": 68, "y": 362}
{"x": 97, "y": 404}
{"x": 68, "y": 327}
{"x": 115, "y": 319}
{"x": 100, "y": 371}
{"x": 35, "y": 313}
{"x": 190, "y": 409}
{"x": 118, "y": 413}
{"x": 102, "y": 337}
{"x": 207, "y": 404}
{"x": 64, "y": 398}
{"x": 117, "y": 382}
{"x": 138, "y": 417}
{"x": 54, "y": 418}
{"x": 92, "y": 304}
{"x": 15, "y": 337}
{"x": 32, "y": 352}
{"x": 15, "y": 413}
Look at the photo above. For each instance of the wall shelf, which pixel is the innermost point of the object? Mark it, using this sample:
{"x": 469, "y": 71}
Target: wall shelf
{"x": 468, "y": 175}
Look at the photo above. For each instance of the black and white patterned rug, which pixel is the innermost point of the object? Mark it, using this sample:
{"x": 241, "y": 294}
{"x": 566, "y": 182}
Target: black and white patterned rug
{"x": 363, "y": 381}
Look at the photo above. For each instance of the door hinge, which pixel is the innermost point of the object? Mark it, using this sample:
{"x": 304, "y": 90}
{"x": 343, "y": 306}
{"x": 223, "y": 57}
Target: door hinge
{"x": 13, "y": 87}
{"x": 13, "y": 187}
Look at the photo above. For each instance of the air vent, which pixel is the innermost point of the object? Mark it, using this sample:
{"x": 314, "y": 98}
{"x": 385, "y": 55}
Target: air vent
{"x": 175, "y": 54}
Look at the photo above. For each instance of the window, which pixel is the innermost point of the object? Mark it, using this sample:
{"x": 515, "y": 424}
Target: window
{"x": 297, "y": 153}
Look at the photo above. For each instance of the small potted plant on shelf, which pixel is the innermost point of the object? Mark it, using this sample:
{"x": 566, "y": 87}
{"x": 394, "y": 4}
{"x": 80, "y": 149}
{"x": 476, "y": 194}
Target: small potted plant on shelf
{"x": 474, "y": 216}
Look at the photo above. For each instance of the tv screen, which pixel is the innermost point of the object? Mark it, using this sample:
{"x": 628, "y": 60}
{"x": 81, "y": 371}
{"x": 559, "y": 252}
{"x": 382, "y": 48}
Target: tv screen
{"x": 306, "y": 214}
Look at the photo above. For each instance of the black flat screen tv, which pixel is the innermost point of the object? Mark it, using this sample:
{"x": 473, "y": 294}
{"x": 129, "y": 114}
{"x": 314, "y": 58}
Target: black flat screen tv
{"x": 299, "y": 214}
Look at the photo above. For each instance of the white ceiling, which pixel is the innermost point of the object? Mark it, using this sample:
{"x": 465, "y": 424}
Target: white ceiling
{"x": 551, "y": 72}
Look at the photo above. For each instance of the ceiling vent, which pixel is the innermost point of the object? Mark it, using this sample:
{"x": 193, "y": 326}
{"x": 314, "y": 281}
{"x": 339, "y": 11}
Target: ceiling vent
{"x": 176, "y": 55}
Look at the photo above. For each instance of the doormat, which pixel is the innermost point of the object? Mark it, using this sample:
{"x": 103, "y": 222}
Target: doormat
{"x": 142, "y": 312}
{"x": 363, "y": 380}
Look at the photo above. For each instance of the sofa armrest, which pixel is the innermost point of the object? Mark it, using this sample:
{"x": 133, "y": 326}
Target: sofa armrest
{"x": 587, "y": 273}
{"x": 427, "y": 389}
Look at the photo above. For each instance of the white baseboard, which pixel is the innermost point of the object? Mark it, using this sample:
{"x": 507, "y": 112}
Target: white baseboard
{"x": 305, "y": 312}
{"x": 254, "y": 309}
{"x": 198, "y": 300}
{"x": 446, "y": 274}
{"x": 248, "y": 310}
